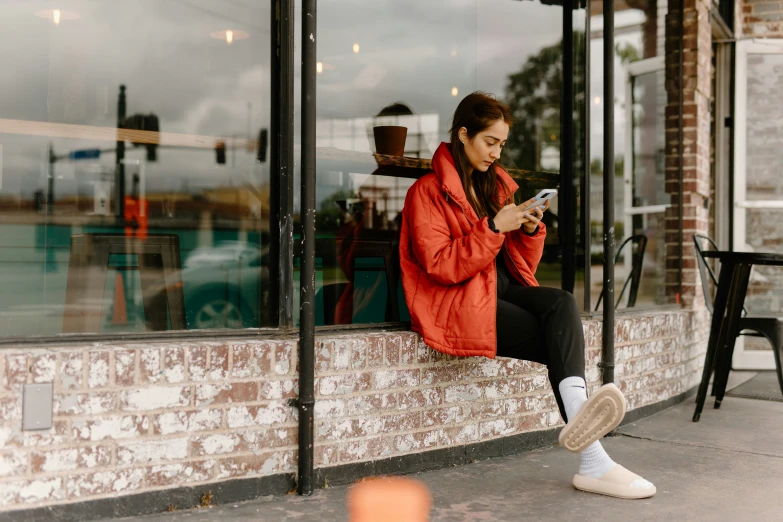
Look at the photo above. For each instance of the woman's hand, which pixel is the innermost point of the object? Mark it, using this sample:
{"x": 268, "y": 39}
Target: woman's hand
{"x": 509, "y": 218}
{"x": 532, "y": 218}
{"x": 512, "y": 217}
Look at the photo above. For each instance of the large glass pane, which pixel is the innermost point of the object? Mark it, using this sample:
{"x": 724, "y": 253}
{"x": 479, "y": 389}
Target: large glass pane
{"x": 408, "y": 64}
{"x": 646, "y": 198}
{"x": 131, "y": 178}
{"x": 638, "y": 35}
{"x": 764, "y": 183}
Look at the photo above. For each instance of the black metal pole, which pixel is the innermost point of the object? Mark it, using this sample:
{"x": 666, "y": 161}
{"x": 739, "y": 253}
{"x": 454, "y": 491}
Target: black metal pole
{"x": 585, "y": 199}
{"x": 307, "y": 271}
{"x": 567, "y": 205}
{"x": 120, "y": 155}
{"x": 607, "y": 363}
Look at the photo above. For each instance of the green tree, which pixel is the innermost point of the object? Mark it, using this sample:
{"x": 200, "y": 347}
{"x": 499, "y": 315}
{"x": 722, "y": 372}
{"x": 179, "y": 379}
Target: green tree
{"x": 597, "y": 168}
{"x": 627, "y": 53}
{"x": 331, "y": 211}
{"x": 534, "y": 95}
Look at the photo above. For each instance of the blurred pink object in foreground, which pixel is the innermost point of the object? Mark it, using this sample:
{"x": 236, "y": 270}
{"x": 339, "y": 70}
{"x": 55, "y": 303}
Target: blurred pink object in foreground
{"x": 389, "y": 499}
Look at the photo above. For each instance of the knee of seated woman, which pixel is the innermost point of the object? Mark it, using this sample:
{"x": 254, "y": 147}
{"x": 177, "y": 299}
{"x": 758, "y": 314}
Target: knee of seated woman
{"x": 565, "y": 299}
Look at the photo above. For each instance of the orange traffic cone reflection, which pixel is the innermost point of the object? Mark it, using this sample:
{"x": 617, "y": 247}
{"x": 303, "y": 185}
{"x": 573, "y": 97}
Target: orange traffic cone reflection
{"x": 120, "y": 312}
{"x": 389, "y": 499}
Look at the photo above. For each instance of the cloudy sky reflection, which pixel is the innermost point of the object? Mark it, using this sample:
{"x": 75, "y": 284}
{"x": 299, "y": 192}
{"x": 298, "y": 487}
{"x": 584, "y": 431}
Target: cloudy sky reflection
{"x": 411, "y": 51}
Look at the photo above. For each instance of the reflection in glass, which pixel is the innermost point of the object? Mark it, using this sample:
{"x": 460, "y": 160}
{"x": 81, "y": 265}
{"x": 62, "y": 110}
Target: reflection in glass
{"x": 129, "y": 119}
{"x": 639, "y": 188}
{"x": 648, "y": 200}
{"x": 763, "y": 228}
{"x": 416, "y": 62}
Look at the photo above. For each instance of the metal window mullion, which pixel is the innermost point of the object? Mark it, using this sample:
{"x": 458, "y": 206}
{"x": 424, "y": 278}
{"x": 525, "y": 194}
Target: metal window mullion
{"x": 585, "y": 199}
{"x": 567, "y": 199}
{"x": 628, "y": 164}
{"x": 740, "y": 144}
{"x": 281, "y": 172}
{"x": 607, "y": 361}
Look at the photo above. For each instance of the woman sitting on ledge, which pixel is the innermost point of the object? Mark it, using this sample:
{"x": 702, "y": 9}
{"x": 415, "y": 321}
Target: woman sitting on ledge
{"x": 468, "y": 257}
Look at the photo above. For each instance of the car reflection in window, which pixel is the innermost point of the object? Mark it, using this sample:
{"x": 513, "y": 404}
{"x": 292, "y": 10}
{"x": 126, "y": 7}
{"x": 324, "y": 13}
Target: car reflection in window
{"x": 222, "y": 285}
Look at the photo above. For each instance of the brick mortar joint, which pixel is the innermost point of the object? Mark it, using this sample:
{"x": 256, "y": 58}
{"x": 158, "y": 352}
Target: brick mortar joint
{"x": 113, "y": 465}
{"x": 183, "y": 384}
{"x": 433, "y": 407}
{"x": 176, "y": 409}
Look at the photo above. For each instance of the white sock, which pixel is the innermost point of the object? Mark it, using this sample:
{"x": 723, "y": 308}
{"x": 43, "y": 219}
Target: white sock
{"x": 573, "y": 391}
{"x": 595, "y": 460}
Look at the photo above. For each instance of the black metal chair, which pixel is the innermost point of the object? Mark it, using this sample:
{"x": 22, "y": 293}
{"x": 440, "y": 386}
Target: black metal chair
{"x": 639, "y": 243}
{"x": 767, "y": 326}
{"x": 158, "y": 263}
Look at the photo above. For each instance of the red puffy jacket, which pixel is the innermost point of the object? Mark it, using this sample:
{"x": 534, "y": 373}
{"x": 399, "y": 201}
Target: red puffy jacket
{"x": 447, "y": 257}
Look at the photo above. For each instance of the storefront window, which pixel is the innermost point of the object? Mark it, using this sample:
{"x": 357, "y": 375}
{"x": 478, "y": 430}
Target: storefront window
{"x": 389, "y": 78}
{"x": 640, "y": 200}
{"x": 165, "y": 229}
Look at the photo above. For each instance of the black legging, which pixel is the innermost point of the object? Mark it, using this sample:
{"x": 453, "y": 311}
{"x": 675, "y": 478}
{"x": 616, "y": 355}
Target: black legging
{"x": 541, "y": 325}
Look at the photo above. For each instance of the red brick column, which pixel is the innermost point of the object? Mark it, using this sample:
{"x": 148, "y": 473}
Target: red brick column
{"x": 695, "y": 84}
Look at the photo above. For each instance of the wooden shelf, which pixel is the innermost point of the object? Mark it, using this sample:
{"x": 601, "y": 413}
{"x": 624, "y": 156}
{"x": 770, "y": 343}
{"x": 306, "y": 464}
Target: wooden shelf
{"x": 405, "y": 167}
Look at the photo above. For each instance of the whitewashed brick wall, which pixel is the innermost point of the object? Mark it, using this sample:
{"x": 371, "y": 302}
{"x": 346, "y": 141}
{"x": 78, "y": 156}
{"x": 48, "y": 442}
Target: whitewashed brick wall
{"x": 141, "y": 417}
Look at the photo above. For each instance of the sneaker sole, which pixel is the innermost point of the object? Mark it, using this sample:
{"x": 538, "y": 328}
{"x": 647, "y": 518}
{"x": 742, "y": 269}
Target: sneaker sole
{"x": 602, "y": 413}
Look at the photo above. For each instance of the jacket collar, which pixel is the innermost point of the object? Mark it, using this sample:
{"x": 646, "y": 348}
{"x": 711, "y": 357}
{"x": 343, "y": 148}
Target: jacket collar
{"x": 446, "y": 171}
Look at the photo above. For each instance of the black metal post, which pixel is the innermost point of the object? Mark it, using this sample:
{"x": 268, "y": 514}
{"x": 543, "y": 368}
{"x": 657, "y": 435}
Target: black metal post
{"x": 567, "y": 204}
{"x": 307, "y": 270}
{"x": 587, "y": 230}
{"x": 120, "y": 155}
{"x": 281, "y": 166}
{"x": 607, "y": 362}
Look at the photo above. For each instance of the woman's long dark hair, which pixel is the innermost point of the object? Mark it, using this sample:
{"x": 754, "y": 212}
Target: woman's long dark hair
{"x": 477, "y": 112}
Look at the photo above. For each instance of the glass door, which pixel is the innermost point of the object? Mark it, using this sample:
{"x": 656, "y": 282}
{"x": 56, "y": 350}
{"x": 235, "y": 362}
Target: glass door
{"x": 758, "y": 184}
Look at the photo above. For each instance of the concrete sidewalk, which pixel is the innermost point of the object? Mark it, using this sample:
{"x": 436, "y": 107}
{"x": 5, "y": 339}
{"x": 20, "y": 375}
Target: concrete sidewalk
{"x": 727, "y": 467}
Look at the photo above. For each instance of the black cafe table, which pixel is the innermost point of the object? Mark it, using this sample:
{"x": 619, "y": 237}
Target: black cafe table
{"x": 733, "y": 281}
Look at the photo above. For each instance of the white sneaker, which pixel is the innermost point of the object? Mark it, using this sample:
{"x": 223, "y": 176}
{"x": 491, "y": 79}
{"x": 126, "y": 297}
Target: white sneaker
{"x": 617, "y": 482}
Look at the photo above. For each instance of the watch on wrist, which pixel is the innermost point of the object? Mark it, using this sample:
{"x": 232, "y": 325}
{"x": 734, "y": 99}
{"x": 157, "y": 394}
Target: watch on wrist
{"x": 491, "y": 223}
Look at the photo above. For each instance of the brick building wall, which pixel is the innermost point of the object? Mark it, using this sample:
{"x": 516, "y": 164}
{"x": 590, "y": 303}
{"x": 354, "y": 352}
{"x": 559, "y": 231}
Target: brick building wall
{"x": 696, "y": 88}
{"x": 146, "y": 417}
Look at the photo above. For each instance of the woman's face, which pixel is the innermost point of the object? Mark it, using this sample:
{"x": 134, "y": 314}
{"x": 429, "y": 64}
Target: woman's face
{"x": 484, "y": 149}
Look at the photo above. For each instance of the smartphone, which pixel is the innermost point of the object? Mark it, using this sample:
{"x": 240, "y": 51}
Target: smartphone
{"x": 542, "y": 197}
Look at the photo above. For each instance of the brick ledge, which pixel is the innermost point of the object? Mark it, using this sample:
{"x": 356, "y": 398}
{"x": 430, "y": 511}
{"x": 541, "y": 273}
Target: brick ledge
{"x": 238, "y": 490}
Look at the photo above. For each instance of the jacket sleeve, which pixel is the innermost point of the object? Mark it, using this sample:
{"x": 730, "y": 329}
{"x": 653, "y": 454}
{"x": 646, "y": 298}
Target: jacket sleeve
{"x": 531, "y": 248}
{"x": 446, "y": 259}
